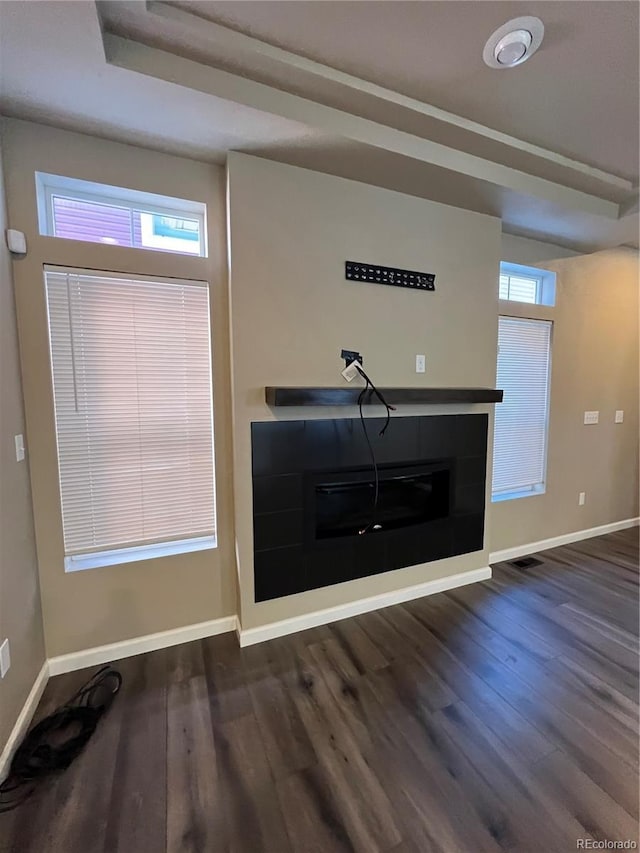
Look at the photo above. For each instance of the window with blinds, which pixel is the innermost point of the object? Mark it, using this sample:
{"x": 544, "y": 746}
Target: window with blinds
{"x": 131, "y": 365}
{"x": 521, "y": 420}
{"x": 531, "y": 285}
{"x": 520, "y": 288}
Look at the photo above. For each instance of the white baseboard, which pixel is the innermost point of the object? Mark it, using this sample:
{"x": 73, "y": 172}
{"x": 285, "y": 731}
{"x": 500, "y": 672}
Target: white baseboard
{"x": 139, "y": 645}
{"x": 24, "y": 719}
{"x": 250, "y": 636}
{"x": 556, "y": 541}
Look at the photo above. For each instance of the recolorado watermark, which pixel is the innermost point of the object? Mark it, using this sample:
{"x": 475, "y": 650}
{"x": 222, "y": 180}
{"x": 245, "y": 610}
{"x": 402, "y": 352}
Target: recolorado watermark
{"x": 592, "y": 844}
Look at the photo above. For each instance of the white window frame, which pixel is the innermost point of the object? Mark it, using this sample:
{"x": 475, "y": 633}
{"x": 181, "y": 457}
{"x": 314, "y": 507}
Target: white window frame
{"x": 99, "y": 559}
{"x": 48, "y": 186}
{"x": 133, "y": 553}
{"x": 535, "y": 488}
{"x": 545, "y": 283}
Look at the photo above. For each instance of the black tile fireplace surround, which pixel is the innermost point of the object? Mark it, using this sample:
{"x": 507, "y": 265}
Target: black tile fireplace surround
{"x": 313, "y": 488}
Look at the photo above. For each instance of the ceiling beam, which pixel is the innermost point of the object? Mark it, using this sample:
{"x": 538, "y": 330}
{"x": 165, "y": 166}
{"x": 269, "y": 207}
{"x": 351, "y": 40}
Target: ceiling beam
{"x": 224, "y": 38}
{"x": 138, "y": 57}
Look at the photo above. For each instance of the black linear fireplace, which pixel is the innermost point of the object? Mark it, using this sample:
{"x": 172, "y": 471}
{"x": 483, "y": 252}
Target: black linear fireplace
{"x": 345, "y": 501}
{"x": 316, "y": 519}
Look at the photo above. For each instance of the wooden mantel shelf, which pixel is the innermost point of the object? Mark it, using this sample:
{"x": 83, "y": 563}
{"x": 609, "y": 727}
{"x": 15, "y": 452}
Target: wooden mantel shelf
{"x": 348, "y": 396}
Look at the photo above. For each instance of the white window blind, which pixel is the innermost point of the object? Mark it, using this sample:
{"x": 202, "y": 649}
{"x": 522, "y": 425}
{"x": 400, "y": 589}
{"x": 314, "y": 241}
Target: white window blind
{"x": 520, "y": 288}
{"x": 520, "y": 438}
{"x": 131, "y": 362}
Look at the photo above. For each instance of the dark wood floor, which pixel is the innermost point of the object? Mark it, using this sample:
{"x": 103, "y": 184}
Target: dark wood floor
{"x": 499, "y": 716}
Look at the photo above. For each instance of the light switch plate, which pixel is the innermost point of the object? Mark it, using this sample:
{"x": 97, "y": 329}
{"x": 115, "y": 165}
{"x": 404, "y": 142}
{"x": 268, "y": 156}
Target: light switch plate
{"x": 582, "y": 498}
{"x": 5, "y": 659}
{"x": 619, "y": 416}
{"x": 591, "y": 417}
{"x": 19, "y": 442}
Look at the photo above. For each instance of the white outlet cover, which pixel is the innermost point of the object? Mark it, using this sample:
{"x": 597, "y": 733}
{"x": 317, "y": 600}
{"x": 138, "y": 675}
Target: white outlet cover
{"x": 591, "y": 417}
{"x": 619, "y": 416}
{"x": 582, "y": 498}
{"x": 5, "y": 659}
{"x": 351, "y": 371}
{"x": 420, "y": 364}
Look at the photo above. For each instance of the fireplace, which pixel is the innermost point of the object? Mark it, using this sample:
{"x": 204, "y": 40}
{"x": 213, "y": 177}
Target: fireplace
{"x": 314, "y": 493}
{"x": 344, "y": 502}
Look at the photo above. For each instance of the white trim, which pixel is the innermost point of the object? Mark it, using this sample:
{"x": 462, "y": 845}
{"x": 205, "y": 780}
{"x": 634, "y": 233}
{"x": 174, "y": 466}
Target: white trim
{"x": 24, "y": 719}
{"x": 250, "y": 636}
{"x": 140, "y": 645}
{"x": 98, "y": 559}
{"x": 556, "y": 541}
{"x": 516, "y": 494}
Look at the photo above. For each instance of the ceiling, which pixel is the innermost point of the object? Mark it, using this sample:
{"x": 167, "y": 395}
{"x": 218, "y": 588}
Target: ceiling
{"x": 53, "y": 69}
{"x": 391, "y": 93}
{"x": 578, "y": 95}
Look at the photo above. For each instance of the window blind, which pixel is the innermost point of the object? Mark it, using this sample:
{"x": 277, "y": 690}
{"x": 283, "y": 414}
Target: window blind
{"x": 519, "y": 288}
{"x": 520, "y": 437}
{"x": 131, "y": 363}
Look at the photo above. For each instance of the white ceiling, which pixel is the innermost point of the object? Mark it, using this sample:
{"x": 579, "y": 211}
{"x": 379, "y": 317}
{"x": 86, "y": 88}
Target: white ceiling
{"x": 552, "y": 147}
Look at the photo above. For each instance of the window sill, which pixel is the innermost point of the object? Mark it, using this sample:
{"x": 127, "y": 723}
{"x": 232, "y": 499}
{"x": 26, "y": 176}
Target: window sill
{"x": 518, "y": 493}
{"x": 99, "y": 559}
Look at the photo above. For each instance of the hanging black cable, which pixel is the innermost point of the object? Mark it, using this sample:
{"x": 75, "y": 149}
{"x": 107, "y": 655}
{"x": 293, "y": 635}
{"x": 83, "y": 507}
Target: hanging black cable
{"x": 372, "y": 525}
{"x": 54, "y": 742}
{"x": 378, "y": 394}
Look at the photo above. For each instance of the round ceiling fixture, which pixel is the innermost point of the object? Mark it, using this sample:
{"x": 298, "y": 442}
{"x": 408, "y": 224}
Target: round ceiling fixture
{"x": 513, "y": 43}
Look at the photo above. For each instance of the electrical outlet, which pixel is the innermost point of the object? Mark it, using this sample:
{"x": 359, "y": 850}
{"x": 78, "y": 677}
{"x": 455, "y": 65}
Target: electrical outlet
{"x": 19, "y": 442}
{"x": 351, "y": 371}
{"x": 591, "y": 417}
{"x": 5, "y": 659}
{"x": 420, "y": 364}
{"x": 619, "y": 418}
{"x": 582, "y": 498}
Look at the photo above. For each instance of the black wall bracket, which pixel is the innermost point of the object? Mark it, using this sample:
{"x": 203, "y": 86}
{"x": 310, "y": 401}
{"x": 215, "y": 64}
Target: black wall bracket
{"x": 373, "y": 274}
{"x": 350, "y": 355}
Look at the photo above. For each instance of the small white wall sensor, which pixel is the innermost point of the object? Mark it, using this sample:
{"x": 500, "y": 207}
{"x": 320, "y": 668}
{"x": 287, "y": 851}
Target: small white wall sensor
{"x": 16, "y": 242}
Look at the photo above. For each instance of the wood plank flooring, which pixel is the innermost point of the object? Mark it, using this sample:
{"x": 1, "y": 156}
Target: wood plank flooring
{"x": 497, "y": 717}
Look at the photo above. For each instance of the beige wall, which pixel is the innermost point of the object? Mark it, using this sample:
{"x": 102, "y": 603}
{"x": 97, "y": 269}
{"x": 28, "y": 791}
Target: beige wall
{"x": 594, "y": 367}
{"x": 523, "y": 250}
{"x": 98, "y": 606}
{"x": 283, "y": 319}
{"x": 292, "y": 311}
{"x": 20, "y": 613}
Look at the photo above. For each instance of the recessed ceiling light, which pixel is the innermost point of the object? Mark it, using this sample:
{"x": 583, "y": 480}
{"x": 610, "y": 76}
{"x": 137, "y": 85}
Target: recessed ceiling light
{"x": 513, "y": 43}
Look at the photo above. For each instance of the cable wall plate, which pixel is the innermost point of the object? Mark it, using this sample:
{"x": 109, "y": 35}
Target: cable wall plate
{"x": 374, "y": 274}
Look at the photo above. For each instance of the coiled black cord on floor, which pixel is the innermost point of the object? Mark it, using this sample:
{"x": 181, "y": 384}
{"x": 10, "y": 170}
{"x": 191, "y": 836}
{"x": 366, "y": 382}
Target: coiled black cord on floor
{"x": 54, "y": 742}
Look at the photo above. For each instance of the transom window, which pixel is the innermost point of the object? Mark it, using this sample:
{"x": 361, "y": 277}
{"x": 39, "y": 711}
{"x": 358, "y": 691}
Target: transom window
{"x": 519, "y": 288}
{"x": 97, "y": 213}
{"x": 530, "y": 285}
